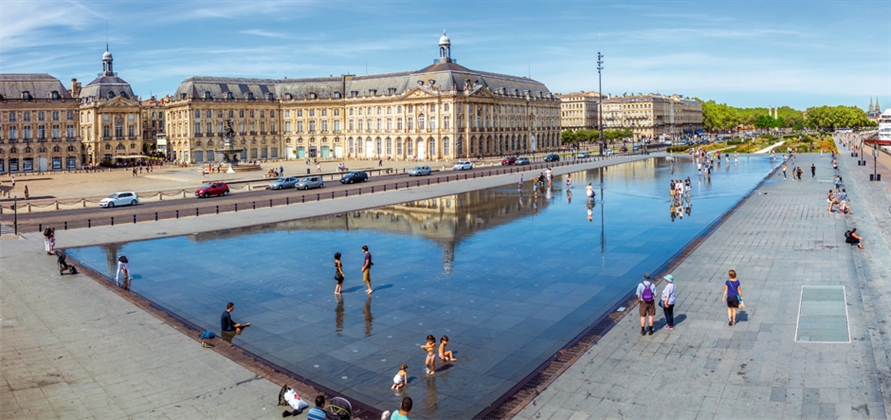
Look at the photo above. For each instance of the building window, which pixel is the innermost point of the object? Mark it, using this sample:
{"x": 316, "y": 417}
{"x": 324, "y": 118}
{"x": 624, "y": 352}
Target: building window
{"x": 324, "y": 112}
{"x": 421, "y": 122}
{"x": 56, "y": 131}
{"x": 389, "y": 146}
{"x": 408, "y": 147}
{"x": 27, "y": 116}
{"x": 360, "y": 124}
{"x": 312, "y": 126}
{"x": 389, "y": 122}
{"x": 299, "y": 126}
{"x": 337, "y": 125}
{"x": 41, "y": 132}
{"x": 408, "y": 124}
{"x": 287, "y": 126}
{"x": 399, "y": 146}
{"x": 445, "y": 123}
{"x": 378, "y": 148}
{"x": 445, "y": 107}
{"x": 433, "y": 123}
{"x": 324, "y": 125}
{"x": 312, "y": 113}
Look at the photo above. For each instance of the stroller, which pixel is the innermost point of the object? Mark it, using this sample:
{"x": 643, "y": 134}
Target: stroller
{"x": 341, "y": 408}
{"x": 64, "y": 266}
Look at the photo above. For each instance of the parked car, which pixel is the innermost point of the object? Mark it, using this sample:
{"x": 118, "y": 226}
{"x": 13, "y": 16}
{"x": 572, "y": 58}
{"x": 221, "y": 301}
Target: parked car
{"x": 213, "y": 188}
{"x": 510, "y": 160}
{"x": 584, "y": 155}
{"x": 553, "y": 157}
{"x": 420, "y": 170}
{"x": 522, "y": 161}
{"x": 309, "y": 182}
{"x": 636, "y": 148}
{"x": 463, "y": 165}
{"x": 284, "y": 182}
{"x": 120, "y": 199}
{"x": 608, "y": 152}
{"x": 623, "y": 149}
{"x": 351, "y": 177}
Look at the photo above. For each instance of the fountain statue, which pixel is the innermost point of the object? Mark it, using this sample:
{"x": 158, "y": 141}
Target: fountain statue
{"x": 230, "y": 155}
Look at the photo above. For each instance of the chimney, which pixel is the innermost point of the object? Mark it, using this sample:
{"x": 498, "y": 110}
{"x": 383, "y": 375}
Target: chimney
{"x": 75, "y": 88}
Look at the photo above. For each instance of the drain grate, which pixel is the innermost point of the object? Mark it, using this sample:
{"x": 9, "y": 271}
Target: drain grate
{"x": 823, "y": 315}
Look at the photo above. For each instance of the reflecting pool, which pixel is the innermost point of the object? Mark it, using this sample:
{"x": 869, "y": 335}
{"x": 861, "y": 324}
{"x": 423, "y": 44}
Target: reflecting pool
{"x": 510, "y": 276}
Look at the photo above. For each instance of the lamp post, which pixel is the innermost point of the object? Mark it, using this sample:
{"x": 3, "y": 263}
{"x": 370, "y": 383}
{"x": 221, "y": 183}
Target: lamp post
{"x": 875, "y": 160}
{"x": 600, "y": 99}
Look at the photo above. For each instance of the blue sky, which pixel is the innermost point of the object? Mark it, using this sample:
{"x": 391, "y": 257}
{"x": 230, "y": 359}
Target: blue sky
{"x": 744, "y": 53}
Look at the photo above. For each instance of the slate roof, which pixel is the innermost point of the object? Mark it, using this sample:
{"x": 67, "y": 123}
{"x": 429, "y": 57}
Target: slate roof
{"x": 100, "y": 87}
{"x": 40, "y": 86}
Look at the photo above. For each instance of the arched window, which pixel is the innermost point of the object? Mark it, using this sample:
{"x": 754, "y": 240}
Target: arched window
{"x": 70, "y": 148}
{"x": 120, "y": 147}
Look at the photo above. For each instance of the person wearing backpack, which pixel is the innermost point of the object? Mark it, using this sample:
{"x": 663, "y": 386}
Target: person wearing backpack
{"x": 646, "y": 297}
{"x": 49, "y": 240}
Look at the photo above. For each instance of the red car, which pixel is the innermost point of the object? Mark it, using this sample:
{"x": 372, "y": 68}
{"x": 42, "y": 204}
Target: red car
{"x": 213, "y": 188}
{"x": 510, "y": 160}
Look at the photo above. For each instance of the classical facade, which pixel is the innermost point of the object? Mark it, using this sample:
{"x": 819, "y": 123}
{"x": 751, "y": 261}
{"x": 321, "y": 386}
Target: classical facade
{"x": 578, "y": 111}
{"x": 653, "y": 115}
{"x": 443, "y": 111}
{"x": 38, "y": 125}
{"x": 110, "y": 117}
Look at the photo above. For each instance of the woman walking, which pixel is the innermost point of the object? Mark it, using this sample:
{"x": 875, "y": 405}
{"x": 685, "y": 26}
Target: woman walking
{"x": 733, "y": 296}
{"x": 338, "y": 274}
{"x": 669, "y": 296}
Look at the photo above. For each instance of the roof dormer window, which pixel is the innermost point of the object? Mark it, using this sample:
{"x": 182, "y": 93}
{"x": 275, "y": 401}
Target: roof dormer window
{"x": 207, "y": 95}
{"x": 26, "y": 96}
{"x": 55, "y": 95}
{"x": 270, "y": 96}
{"x": 336, "y": 95}
{"x": 312, "y": 95}
{"x": 182, "y": 95}
{"x": 111, "y": 95}
{"x": 250, "y": 96}
{"x": 288, "y": 96}
{"x": 230, "y": 96}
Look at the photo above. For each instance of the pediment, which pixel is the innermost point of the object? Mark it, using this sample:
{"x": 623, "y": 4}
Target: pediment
{"x": 120, "y": 102}
{"x": 481, "y": 92}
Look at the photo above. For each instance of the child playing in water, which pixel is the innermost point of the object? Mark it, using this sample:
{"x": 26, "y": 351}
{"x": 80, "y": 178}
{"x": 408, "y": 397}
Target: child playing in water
{"x": 445, "y": 355}
{"x": 430, "y": 347}
{"x": 400, "y": 379}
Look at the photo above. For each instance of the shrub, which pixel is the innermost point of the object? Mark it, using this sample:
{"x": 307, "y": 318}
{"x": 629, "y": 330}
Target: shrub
{"x": 734, "y": 141}
{"x": 676, "y": 149}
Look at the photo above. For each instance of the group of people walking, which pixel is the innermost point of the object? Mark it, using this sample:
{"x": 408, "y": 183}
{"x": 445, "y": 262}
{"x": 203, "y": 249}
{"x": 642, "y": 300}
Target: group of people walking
{"x": 648, "y": 298}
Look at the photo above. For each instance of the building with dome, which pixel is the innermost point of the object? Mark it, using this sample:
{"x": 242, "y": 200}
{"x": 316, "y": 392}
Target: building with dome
{"x": 440, "y": 112}
{"x": 110, "y": 117}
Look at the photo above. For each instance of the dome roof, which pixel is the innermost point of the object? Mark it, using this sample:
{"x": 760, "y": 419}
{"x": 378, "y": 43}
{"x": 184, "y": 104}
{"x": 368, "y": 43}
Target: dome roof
{"x": 444, "y": 39}
{"x": 107, "y": 56}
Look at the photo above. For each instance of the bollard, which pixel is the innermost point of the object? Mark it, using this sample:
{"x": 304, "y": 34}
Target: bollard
{"x": 134, "y": 219}
{"x": 372, "y": 189}
{"x": 318, "y": 197}
{"x": 490, "y": 173}
{"x": 218, "y": 209}
{"x": 253, "y": 205}
{"x": 236, "y": 207}
{"x": 177, "y": 214}
{"x": 270, "y": 203}
{"x": 346, "y": 193}
{"x": 287, "y": 201}
{"x": 40, "y": 227}
{"x": 406, "y": 184}
{"x": 302, "y": 198}
{"x": 360, "y": 191}
{"x": 437, "y": 180}
{"x": 196, "y": 211}
{"x": 156, "y": 216}
{"x": 428, "y": 181}
{"x": 385, "y": 187}
{"x": 112, "y": 220}
{"x": 396, "y": 186}
{"x": 89, "y": 223}
{"x": 332, "y": 195}
{"x": 418, "y": 182}
{"x": 66, "y": 225}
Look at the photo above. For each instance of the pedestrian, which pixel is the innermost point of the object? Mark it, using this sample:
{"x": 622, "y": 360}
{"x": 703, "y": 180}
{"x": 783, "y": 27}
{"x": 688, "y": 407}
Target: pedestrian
{"x": 338, "y": 274}
{"x": 813, "y": 171}
{"x": 123, "y": 269}
{"x": 784, "y": 170}
{"x": 319, "y": 168}
{"x": 646, "y": 293}
{"x": 430, "y": 347}
{"x": 281, "y": 171}
{"x": 669, "y": 297}
{"x": 404, "y": 410}
{"x": 366, "y": 269}
{"x": 568, "y": 181}
{"x": 380, "y": 162}
{"x": 49, "y": 240}
{"x": 317, "y": 412}
{"x": 226, "y": 323}
{"x": 799, "y": 173}
{"x": 733, "y": 297}
{"x": 13, "y": 182}
{"x": 589, "y": 191}
{"x": 401, "y": 378}
{"x": 27, "y": 193}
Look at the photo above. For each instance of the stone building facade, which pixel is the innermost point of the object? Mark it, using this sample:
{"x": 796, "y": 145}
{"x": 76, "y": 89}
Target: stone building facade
{"x": 38, "y": 125}
{"x": 443, "y": 111}
{"x": 578, "y": 111}
{"x": 653, "y": 115}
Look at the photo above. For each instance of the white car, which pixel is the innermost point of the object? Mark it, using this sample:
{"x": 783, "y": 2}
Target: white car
{"x": 463, "y": 165}
{"x": 120, "y": 199}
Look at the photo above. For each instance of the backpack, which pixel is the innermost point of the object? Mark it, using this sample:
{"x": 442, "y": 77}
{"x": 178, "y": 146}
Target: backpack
{"x": 47, "y": 232}
{"x": 647, "y": 294}
{"x": 207, "y": 335}
{"x": 123, "y": 259}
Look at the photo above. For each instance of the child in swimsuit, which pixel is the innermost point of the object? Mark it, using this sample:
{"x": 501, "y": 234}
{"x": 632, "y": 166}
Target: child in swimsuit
{"x": 430, "y": 347}
{"x": 400, "y": 379}
{"x": 445, "y": 355}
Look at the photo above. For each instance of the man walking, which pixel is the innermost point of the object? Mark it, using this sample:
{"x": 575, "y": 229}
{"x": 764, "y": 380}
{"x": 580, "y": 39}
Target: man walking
{"x": 366, "y": 269}
{"x": 813, "y": 171}
{"x": 646, "y": 293}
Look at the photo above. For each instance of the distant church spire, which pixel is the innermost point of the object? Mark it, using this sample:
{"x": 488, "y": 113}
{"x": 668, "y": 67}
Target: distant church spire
{"x": 878, "y": 108}
{"x": 870, "y": 105}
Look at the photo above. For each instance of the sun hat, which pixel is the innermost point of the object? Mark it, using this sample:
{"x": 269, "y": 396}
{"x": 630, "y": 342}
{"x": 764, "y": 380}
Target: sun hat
{"x": 669, "y": 278}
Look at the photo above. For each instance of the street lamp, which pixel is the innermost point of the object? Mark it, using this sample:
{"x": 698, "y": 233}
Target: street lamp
{"x": 600, "y": 99}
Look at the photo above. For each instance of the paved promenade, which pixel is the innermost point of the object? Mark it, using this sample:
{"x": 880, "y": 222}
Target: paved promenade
{"x": 71, "y": 347}
{"x": 780, "y": 239}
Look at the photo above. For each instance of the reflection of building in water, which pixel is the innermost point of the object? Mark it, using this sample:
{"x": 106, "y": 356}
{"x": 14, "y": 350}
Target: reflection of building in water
{"x": 446, "y": 220}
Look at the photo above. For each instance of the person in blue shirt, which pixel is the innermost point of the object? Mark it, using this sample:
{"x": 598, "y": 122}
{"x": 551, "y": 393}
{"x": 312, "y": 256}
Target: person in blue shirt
{"x": 404, "y": 410}
{"x": 317, "y": 412}
{"x": 226, "y": 321}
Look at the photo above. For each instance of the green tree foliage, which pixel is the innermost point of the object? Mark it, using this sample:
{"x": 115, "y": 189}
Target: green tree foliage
{"x": 832, "y": 117}
{"x": 579, "y": 136}
{"x": 617, "y": 134}
{"x": 717, "y": 116}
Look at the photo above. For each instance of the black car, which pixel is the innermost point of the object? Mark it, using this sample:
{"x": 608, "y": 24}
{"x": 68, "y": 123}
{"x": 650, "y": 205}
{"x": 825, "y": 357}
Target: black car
{"x": 552, "y": 158}
{"x": 351, "y": 177}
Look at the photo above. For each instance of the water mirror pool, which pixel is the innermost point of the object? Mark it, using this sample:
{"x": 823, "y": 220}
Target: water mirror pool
{"x": 509, "y": 276}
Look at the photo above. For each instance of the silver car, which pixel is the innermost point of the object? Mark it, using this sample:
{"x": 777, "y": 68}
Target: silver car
{"x": 284, "y": 182}
{"x": 120, "y": 199}
{"x": 420, "y": 170}
{"x": 310, "y": 182}
{"x": 463, "y": 165}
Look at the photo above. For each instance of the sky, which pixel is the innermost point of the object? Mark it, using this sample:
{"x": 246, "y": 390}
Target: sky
{"x": 743, "y": 53}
